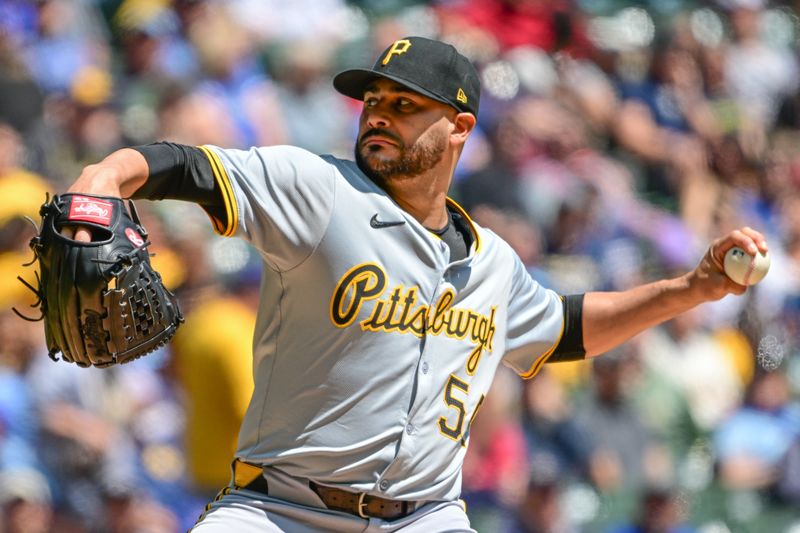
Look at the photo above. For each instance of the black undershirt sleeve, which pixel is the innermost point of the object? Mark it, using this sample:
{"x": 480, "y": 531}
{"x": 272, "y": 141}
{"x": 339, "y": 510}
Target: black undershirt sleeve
{"x": 178, "y": 172}
{"x": 181, "y": 172}
{"x": 570, "y": 348}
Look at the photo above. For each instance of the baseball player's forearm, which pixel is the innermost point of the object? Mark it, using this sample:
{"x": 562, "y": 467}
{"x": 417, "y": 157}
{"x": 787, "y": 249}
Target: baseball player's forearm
{"x": 154, "y": 172}
{"x": 120, "y": 174}
{"x": 611, "y": 318}
{"x": 178, "y": 172}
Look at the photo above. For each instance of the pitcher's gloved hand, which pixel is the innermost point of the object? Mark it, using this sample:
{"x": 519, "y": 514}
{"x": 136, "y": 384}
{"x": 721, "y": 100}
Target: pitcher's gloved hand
{"x": 101, "y": 301}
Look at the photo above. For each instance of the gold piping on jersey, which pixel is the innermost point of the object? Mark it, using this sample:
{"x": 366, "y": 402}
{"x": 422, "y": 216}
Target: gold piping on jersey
{"x": 228, "y": 198}
{"x": 452, "y": 203}
{"x": 537, "y": 365}
{"x": 221, "y": 494}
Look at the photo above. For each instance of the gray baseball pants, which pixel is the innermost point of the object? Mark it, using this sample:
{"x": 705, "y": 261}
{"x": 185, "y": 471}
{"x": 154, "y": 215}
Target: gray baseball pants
{"x": 292, "y": 507}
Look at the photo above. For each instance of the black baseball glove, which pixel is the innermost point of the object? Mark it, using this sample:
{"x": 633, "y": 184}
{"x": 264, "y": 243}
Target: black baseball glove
{"x": 101, "y": 301}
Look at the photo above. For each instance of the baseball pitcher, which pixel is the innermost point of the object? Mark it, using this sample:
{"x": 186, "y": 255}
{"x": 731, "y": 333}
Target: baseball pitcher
{"x": 385, "y": 311}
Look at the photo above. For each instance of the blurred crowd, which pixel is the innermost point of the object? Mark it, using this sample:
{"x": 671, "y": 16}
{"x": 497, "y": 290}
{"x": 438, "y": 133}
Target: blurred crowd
{"x": 616, "y": 139}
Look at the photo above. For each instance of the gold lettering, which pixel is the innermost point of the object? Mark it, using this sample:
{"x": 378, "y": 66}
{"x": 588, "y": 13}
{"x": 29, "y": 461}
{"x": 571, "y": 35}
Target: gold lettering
{"x": 398, "y": 311}
{"x": 408, "y": 305}
{"x": 417, "y": 321}
{"x": 487, "y": 341}
{"x": 484, "y": 341}
{"x": 361, "y": 283}
{"x": 480, "y": 325}
{"x": 376, "y": 322}
{"x": 458, "y": 323}
{"x": 438, "y": 321}
{"x": 473, "y": 359}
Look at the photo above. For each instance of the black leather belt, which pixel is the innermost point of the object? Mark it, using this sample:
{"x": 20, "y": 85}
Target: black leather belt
{"x": 249, "y": 477}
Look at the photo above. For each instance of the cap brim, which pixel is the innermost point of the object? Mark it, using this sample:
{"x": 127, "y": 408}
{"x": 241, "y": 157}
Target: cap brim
{"x": 353, "y": 82}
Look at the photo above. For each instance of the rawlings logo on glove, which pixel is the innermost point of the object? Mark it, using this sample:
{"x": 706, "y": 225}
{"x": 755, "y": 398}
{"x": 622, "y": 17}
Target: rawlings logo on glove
{"x": 90, "y": 210}
{"x": 101, "y": 301}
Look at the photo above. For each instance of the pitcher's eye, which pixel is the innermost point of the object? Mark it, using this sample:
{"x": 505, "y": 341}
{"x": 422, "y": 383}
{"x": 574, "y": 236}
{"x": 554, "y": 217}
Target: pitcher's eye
{"x": 405, "y": 104}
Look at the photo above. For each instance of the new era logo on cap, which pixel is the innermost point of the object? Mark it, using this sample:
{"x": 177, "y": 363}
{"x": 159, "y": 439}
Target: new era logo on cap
{"x": 431, "y": 68}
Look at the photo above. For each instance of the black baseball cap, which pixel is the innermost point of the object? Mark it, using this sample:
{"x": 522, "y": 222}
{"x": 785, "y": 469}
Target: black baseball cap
{"x": 431, "y": 68}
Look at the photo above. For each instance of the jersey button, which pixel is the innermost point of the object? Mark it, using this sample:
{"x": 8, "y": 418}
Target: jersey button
{"x": 424, "y": 367}
{"x": 409, "y": 429}
{"x": 384, "y": 485}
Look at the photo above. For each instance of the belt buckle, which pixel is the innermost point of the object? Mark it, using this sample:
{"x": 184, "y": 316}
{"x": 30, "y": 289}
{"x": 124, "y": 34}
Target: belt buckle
{"x": 361, "y": 505}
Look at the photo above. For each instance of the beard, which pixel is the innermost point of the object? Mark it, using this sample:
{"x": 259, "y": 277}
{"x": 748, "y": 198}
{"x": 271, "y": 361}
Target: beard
{"x": 426, "y": 152}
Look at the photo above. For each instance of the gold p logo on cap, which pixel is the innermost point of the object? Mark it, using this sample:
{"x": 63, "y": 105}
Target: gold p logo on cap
{"x": 397, "y": 48}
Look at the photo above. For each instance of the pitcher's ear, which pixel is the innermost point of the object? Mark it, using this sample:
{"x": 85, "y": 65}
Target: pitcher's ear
{"x": 463, "y": 124}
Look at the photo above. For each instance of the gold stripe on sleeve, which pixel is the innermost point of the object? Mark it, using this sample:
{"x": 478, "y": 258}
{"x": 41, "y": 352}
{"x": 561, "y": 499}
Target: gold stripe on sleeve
{"x": 539, "y": 363}
{"x": 227, "y": 229}
{"x": 219, "y": 226}
{"x": 537, "y": 366}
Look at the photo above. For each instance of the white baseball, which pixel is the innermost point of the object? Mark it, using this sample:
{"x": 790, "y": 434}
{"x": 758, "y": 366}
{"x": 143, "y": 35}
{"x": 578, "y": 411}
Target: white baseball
{"x": 744, "y": 268}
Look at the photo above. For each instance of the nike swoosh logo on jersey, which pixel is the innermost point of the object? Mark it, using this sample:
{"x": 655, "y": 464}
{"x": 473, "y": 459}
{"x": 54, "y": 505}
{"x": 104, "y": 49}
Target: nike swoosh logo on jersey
{"x": 377, "y": 224}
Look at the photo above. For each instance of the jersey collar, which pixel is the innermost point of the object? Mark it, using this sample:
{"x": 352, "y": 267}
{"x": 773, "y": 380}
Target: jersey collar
{"x": 474, "y": 230}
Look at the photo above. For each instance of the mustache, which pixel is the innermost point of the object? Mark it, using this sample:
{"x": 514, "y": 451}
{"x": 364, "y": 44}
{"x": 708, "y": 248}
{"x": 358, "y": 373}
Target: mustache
{"x": 378, "y": 132}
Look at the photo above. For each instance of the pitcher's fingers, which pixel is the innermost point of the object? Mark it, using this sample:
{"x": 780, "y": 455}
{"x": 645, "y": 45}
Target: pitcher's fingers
{"x": 757, "y": 237}
{"x": 77, "y": 233}
{"x": 716, "y": 259}
{"x": 82, "y": 234}
{"x": 740, "y": 238}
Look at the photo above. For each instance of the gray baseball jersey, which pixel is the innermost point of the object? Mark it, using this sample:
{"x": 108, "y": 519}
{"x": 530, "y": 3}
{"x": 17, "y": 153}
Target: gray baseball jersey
{"x": 372, "y": 350}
